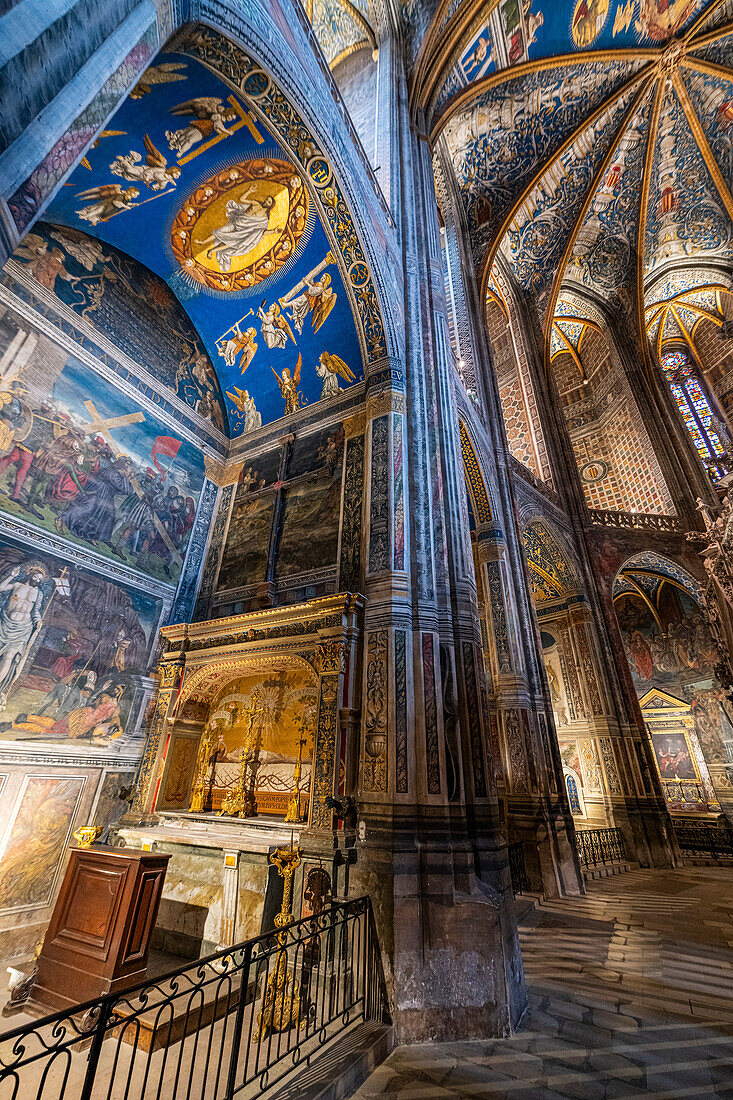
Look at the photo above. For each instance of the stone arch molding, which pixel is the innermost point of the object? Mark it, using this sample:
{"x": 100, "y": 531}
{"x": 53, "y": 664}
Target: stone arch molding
{"x": 480, "y": 499}
{"x": 664, "y": 567}
{"x": 553, "y": 567}
{"x": 202, "y": 683}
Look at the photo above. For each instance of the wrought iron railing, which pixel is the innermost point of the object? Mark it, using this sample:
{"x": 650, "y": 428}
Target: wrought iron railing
{"x": 228, "y": 1025}
{"x": 599, "y": 846}
{"x": 696, "y": 839}
{"x": 518, "y": 868}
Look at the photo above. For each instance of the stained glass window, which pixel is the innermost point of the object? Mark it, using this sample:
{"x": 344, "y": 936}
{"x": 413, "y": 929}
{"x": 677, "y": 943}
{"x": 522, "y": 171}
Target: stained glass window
{"x": 695, "y": 408}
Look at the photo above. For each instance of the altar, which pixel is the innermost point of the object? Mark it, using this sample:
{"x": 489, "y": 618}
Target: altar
{"x": 251, "y": 748}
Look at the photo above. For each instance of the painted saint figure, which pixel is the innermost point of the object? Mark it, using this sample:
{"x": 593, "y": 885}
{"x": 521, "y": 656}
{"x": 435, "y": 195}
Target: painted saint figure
{"x": 239, "y": 343}
{"x": 92, "y": 515}
{"x": 106, "y": 201}
{"x": 245, "y": 226}
{"x": 329, "y": 368}
{"x": 246, "y": 404}
{"x": 154, "y": 173}
{"x": 211, "y": 118}
{"x": 20, "y": 621}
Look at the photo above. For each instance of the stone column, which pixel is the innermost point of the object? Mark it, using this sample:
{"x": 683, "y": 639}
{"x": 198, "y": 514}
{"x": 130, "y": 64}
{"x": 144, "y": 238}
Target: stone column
{"x": 226, "y": 478}
{"x": 432, "y": 855}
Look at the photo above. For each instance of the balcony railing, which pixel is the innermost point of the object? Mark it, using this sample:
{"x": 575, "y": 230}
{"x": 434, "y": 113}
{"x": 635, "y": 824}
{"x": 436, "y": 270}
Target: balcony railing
{"x": 637, "y": 521}
{"x": 228, "y": 1025}
{"x": 696, "y": 839}
{"x": 598, "y": 846}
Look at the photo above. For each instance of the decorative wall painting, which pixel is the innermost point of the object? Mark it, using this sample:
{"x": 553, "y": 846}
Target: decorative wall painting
{"x": 36, "y": 838}
{"x": 81, "y": 460}
{"x": 73, "y": 649}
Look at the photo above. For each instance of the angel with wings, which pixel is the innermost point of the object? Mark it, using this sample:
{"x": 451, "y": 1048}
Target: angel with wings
{"x": 211, "y": 117}
{"x": 318, "y": 299}
{"x": 106, "y": 201}
{"x": 252, "y": 419}
{"x": 165, "y": 73}
{"x": 155, "y": 173}
{"x": 239, "y": 343}
{"x": 329, "y": 369}
{"x": 288, "y": 384}
{"x": 274, "y": 327}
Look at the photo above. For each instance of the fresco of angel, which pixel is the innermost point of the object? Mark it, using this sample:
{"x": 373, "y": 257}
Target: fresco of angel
{"x": 246, "y": 223}
{"x": 165, "y": 73}
{"x": 318, "y": 299}
{"x": 239, "y": 343}
{"x": 154, "y": 173}
{"x": 329, "y": 369}
{"x": 211, "y": 117}
{"x": 107, "y": 201}
{"x": 288, "y": 384}
{"x": 95, "y": 144}
{"x": 274, "y": 327}
{"x": 246, "y": 405}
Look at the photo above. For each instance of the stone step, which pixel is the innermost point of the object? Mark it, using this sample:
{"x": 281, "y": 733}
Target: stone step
{"x": 337, "y": 1072}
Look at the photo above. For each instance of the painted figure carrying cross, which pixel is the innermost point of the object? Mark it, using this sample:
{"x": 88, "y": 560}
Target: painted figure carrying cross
{"x": 100, "y": 426}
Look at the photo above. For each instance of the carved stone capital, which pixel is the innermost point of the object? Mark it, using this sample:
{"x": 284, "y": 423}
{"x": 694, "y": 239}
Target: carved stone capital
{"x": 384, "y": 401}
{"x": 355, "y": 425}
{"x": 222, "y": 473}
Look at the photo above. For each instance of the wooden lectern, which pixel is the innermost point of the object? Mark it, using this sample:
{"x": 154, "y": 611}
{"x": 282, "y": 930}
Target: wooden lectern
{"x": 99, "y": 935}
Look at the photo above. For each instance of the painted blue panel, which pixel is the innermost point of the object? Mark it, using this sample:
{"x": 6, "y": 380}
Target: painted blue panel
{"x": 184, "y": 156}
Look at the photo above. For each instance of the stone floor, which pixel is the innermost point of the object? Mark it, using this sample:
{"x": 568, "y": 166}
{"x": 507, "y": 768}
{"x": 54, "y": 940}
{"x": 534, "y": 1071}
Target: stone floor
{"x": 631, "y": 991}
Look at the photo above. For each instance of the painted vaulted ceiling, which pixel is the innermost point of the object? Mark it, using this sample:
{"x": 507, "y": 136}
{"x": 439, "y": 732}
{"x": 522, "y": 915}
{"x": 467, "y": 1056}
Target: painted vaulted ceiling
{"x": 191, "y": 180}
{"x": 596, "y": 152}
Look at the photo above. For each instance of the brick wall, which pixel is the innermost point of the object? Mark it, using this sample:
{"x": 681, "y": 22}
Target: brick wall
{"x": 606, "y": 430}
{"x": 518, "y": 401}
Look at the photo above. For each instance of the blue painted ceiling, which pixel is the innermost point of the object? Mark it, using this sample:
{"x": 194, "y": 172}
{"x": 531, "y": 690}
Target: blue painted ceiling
{"x": 188, "y": 182}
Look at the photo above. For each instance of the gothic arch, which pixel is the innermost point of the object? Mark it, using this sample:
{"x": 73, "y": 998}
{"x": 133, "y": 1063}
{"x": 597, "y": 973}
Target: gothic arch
{"x": 553, "y": 569}
{"x": 673, "y": 659}
{"x": 204, "y": 683}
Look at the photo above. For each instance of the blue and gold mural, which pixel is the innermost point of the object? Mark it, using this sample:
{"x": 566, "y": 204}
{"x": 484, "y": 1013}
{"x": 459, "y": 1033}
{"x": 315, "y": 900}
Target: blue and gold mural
{"x": 189, "y": 182}
{"x": 510, "y": 33}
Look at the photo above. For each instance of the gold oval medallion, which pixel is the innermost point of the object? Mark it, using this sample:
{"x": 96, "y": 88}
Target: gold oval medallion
{"x": 242, "y": 225}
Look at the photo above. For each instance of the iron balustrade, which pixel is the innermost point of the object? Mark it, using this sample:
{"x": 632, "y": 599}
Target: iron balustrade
{"x": 518, "y": 868}
{"x": 714, "y": 841}
{"x": 599, "y": 846}
{"x": 227, "y": 1025}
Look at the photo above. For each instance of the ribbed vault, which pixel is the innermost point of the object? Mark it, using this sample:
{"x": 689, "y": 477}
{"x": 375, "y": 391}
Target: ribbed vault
{"x": 604, "y": 170}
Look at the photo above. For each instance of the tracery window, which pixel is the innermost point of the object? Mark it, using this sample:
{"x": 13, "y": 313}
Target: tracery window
{"x": 697, "y": 413}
